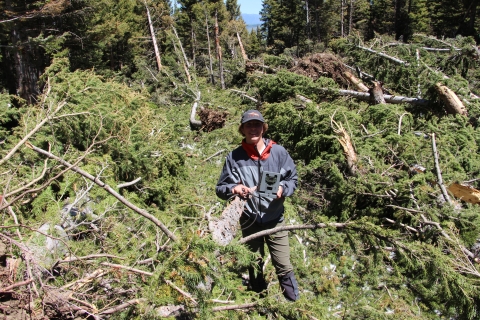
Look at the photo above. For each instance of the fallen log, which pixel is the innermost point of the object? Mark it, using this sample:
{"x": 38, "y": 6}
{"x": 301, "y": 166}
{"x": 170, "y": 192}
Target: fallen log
{"x": 365, "y": 96}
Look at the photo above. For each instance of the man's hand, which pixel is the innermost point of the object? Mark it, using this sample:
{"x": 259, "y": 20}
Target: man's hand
{"x": 243, "y": 191}
{"x": 279, "y": 192}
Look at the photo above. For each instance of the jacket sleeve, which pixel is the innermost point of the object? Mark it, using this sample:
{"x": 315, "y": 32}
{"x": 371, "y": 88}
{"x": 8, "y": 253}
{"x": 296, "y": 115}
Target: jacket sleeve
{"x": 228, "y": 180}
{"x": 289, "y": 177}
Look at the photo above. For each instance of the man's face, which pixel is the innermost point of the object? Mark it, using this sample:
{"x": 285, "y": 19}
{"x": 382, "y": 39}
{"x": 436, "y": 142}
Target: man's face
{"x": 253, "y": 131}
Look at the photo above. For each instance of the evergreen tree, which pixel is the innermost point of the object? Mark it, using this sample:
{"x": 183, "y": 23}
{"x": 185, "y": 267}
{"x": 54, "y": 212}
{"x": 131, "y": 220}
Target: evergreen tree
{"x": 284, "y": 24}
{"x": 233, "y": 8}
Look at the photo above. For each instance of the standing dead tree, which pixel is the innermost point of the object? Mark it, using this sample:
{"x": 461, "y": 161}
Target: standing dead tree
{"x": 212, "y": 77}
{"x": 154, "y": 38}
{"x": 219, "y": 50}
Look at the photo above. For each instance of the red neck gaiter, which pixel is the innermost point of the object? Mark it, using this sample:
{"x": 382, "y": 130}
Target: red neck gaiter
{"x": 252, "y": 153}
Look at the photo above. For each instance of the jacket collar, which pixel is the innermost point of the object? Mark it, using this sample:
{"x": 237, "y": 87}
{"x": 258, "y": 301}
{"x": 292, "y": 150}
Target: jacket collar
{"x": 253, "y": 153}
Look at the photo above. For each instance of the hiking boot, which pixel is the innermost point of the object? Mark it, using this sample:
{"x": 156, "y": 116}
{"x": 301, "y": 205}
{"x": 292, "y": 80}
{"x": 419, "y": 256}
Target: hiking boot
{"x": 289, "y": 286}
{"x": 256, "y": 280}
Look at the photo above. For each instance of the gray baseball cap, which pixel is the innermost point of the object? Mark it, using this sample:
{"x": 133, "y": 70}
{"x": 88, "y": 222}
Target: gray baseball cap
{"x": 252, "y": 114}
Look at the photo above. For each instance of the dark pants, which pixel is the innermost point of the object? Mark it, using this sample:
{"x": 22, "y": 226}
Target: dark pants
{"x": 279, "y": 248}
{"x": 277, "y": 244}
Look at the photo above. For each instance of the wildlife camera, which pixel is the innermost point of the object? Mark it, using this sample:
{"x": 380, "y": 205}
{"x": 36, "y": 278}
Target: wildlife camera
{"x": 269, "y": 183}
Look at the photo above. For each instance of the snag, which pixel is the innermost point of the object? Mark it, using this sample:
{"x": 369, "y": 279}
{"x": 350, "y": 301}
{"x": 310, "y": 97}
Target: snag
{"x": 346, "y": 142}
{"x": 451, "y": 100}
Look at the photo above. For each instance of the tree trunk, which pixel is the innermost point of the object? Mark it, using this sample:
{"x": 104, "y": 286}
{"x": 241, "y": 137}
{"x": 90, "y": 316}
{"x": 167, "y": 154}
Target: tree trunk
{"x": 184, "y": 60}
{"x": 181, "y": 46}
{"x": 376, "y": 93}
{"x": 212, "y": 77}
{"x": 355, "y": 81}
{"x": 452, "y": 102}
{"x": 154, "y": 38}
{"x": 22, "y": 59}
{"x": 244, "y": 54}
{"x": 219, "y": 51}
{"x": 350, "y": 18}
{"x": 341, "y": 19}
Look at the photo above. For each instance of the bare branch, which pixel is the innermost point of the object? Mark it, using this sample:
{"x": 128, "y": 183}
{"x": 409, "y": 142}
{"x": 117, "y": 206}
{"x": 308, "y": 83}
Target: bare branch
{"x": 214, "y": 155}
{"x": 113, "y": 265}
{"x": 32, "y": 132}
{"x": 365, "y": 96}
{"x": 439, "y": 173}
{"x": 186, "y": 294}
{"x": 244, "y": 94}
{"x": 102, "y": 184}
{"x": 381, "y": 54}
{"x": 127, "y": 184}
{"x": 122, "y": 306}
{"x": 15, "y": 285}
{"x": 293, "y": 227}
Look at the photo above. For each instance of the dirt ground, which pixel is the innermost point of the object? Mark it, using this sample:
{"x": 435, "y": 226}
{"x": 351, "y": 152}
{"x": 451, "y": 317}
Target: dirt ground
{"x": 212, "y": 119}
{"x": 322, "y": 65}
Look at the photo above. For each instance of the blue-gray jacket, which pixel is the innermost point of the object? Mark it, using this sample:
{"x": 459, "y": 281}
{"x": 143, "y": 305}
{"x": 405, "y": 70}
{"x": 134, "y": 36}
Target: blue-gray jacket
{"x": 243, "y": 166}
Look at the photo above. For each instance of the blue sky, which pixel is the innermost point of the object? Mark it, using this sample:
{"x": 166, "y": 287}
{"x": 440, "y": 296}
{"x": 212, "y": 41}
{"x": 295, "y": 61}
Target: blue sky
{"x": 250, "y": 6}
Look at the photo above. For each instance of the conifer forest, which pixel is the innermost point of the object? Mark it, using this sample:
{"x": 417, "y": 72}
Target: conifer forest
{"x": 116, "y": 118}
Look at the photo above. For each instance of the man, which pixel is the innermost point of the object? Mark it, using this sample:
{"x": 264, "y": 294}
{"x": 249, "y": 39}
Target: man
{"x": 241, "y": 175}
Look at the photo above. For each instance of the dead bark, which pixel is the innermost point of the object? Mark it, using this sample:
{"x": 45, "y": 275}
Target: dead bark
{"x": 452, "y": 102}
{"x": 465, "y": 192}
{"x": 154, "y": 38}
{"x": 219, "y": 51}
{"x": 110, "y": 190}
{"x": 376, "y": 93}
{"x": 127, "y": 184}
{"x": 355, "y": 81}
{"x": 119, "y": 266}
